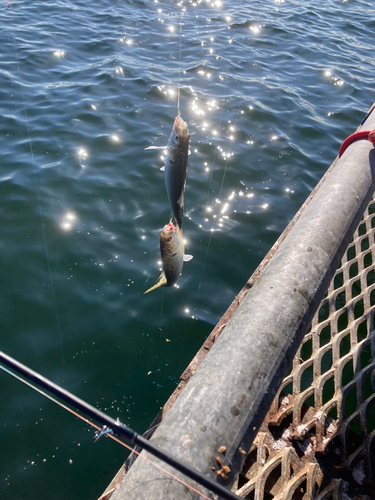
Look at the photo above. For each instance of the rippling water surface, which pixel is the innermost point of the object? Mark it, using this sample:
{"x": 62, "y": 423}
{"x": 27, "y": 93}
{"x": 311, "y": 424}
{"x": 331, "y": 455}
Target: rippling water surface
{"x": 269, "y": 89}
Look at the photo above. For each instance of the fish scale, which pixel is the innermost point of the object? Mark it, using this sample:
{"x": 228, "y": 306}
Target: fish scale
{"x": 176, "y": 167}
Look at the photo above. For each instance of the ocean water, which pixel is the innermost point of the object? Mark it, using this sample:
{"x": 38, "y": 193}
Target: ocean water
{"x": 269, "y": 89}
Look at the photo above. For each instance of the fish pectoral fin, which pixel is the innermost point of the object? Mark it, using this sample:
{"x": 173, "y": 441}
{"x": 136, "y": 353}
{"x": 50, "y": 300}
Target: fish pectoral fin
{"x": 187, "y": 257}
{"x": 162, "y": 281}
{"x": 156, "y": 147}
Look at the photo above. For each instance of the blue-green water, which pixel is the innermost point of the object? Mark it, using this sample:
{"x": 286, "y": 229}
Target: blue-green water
{"x": 269, "y": 90}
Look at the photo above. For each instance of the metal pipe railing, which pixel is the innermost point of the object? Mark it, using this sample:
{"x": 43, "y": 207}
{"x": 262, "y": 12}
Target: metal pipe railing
{"x": 225, "y": 402}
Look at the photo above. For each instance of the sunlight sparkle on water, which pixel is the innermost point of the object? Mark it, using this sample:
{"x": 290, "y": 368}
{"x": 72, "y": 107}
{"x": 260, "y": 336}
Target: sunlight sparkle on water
{"x": 196, "y": 109}
{"x": 338, "y": 82}
{"x": 67, "y": 221}
{"x": 59, "y": 53}
{"x": 255, "y": 29}
{"x": 82, "y": 153}
{"x": 225, "y": 208}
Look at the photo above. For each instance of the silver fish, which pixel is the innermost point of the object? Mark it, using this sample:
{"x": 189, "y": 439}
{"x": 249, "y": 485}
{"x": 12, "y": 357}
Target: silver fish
{"x": 176, "y": 166}
{"x": 172, "y": 255}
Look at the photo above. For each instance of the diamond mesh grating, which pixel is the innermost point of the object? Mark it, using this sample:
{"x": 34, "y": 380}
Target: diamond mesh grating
{"x": 318, "y": 440}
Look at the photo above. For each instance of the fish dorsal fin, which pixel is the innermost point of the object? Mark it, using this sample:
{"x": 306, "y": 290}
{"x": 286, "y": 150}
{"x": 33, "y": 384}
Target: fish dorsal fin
{"x": 187, "y": 257}
{"x": 162, "y": 281}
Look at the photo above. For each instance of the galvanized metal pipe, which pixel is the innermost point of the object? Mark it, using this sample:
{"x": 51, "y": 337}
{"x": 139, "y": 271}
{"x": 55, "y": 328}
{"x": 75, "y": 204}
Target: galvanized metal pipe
{"x": 226, "y": 400}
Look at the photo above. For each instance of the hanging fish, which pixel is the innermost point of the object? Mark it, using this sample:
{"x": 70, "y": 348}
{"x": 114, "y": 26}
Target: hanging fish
{"x": 176, "y": 166}
{"x": 172, "y": 255}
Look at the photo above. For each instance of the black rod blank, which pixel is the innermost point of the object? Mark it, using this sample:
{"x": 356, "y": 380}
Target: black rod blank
{"x": 30, "y": 376}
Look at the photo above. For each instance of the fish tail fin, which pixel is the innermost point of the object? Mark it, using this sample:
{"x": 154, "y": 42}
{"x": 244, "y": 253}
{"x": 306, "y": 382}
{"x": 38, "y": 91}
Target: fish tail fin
{"x": 152, "y": 288}
{"x": 162, "y": 282}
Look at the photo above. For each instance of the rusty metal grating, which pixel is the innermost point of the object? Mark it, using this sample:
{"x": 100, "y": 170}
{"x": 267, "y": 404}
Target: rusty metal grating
{"x": 318, "y": 440}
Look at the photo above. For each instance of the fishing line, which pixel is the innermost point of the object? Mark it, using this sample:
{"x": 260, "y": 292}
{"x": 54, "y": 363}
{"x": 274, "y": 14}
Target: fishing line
{"x": 207, "y": 198}
{"x": 223, "y": 177}
{"x": 38, "y": 194}
{"x": 98, "y": 429}
{"x": 159, "y": 349}
{"x": 45, "y": 387}
{"x": 179, "y": 67}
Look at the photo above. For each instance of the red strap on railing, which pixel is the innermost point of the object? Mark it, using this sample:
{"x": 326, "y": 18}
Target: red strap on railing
{"x": 362, "y": 134}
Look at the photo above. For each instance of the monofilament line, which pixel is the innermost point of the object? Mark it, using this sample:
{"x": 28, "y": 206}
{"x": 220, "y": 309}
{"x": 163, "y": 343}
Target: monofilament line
{"x": 207, "y": 198}
{"x": 87, "y": 412}
{"x": 38, "y": 195}
{"x": 223, "y": 177}
{"x": 179, "y": 63}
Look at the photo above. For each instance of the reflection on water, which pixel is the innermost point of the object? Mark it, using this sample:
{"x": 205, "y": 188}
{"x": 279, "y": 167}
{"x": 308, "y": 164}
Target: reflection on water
{"x": 267, "y": 112}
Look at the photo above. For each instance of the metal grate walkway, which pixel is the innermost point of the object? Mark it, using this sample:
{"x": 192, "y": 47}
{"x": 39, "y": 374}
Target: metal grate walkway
{"x": 318, "y": 440}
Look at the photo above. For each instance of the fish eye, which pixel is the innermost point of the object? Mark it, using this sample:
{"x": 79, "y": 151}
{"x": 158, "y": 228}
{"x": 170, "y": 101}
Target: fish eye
{"x": 177, "y": 138}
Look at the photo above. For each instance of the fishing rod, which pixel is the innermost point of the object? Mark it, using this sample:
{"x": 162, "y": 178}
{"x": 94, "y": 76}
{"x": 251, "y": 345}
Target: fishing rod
{"x": 109, "y": 424}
